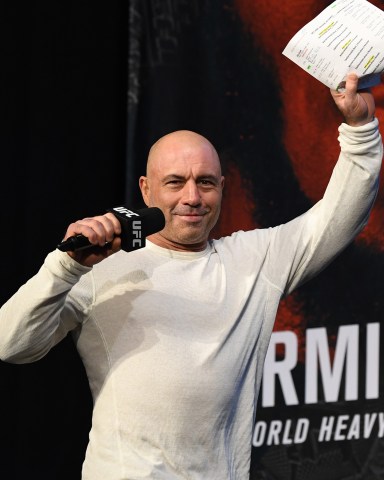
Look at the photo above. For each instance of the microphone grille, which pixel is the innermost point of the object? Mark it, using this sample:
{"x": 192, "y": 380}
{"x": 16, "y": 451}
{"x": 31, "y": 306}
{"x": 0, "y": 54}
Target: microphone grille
{"x": 153, "y": 219}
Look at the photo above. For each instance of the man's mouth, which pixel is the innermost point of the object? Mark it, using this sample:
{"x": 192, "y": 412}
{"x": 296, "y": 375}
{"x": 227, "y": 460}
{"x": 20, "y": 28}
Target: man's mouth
{"x": 191, "y": 217}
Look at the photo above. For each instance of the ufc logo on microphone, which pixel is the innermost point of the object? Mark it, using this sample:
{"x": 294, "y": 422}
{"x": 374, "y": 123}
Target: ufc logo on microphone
{"x": 126, "y": 212}
{"x": 136, "y": 231}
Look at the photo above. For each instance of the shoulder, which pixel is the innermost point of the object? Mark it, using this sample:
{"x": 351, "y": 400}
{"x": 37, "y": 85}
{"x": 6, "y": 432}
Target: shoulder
{"x": 248, "y": 242}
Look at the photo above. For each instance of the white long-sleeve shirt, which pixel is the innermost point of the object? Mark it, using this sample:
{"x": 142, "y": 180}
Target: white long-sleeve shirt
{"x": 174, "y": 342}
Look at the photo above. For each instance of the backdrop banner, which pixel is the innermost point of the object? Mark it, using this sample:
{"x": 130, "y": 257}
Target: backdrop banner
{"x": 217, "y": 68}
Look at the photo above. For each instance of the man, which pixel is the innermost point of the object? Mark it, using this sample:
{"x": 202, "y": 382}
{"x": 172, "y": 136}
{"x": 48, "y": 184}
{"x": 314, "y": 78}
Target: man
{"x": 173, "y": 336}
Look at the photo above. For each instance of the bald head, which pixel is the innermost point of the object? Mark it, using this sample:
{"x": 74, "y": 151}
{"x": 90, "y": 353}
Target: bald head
{"x": 180, "y": 144}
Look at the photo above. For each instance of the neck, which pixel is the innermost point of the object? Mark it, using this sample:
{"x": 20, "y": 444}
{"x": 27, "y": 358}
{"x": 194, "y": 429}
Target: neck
{"x": 161, "y": 241}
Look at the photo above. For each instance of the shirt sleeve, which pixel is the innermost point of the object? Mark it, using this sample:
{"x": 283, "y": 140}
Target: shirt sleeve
{"x": 307, "y": 244}
{"x": 41, "y": 313}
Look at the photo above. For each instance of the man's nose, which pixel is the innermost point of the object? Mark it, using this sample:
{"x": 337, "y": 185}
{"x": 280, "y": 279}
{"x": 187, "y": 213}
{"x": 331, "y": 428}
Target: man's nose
{"x": 191, "y": 194}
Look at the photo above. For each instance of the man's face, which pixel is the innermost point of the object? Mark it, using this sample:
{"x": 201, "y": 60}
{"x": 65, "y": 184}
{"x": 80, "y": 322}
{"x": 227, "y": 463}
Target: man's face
{"x": 184, "y": 180}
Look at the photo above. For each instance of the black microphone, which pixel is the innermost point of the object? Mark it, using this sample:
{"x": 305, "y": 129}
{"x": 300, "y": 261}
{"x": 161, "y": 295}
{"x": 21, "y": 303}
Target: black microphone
{"x": 136, "y": 225}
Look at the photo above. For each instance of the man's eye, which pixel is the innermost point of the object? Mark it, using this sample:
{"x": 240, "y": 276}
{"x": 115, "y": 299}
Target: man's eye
{"x": 173, "y": 182}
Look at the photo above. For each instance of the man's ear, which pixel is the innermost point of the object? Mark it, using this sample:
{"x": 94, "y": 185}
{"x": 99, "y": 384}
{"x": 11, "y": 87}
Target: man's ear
{"x": 144, "y": 187}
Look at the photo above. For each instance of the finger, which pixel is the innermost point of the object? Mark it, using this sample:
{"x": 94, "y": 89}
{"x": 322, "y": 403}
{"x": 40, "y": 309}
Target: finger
{"x": 114, "y": 246}
{"x": 95, "y": 230}
{"x": 116, "y": 225}
{"x": 86, "y": 228}
{"x": 106, "y": 226}
{"x": 351, "y": 84}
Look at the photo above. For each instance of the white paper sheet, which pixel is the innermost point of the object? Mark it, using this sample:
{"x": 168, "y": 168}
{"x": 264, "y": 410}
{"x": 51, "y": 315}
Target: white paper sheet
{"x": 347, "y": 36}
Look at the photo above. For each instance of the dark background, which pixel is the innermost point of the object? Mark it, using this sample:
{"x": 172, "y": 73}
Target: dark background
{"x": 62, "y": 150}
